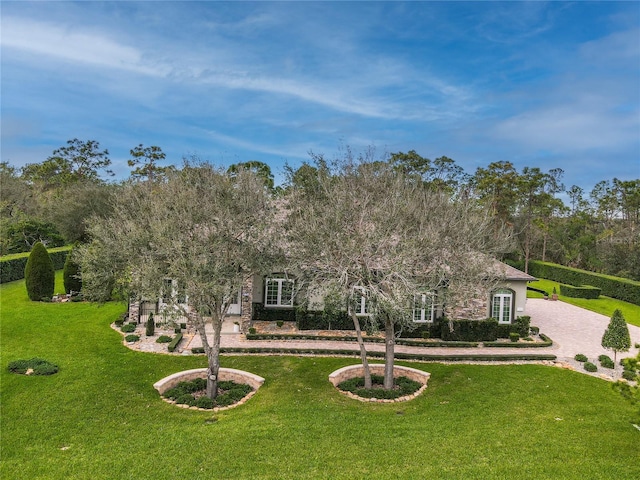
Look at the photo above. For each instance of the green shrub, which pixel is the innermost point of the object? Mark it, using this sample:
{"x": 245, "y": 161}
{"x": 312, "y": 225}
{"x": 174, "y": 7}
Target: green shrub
{"x": 261, "y": 313}
{"x": 630, "y": 375}
{"x": 70, "y": 275}
{"x": 12, "y": 268}
{"x": 38, "y": 365}
{"x": 279, "y": 323}
{"x": 252, "y": 331}
{"x": 186, "y": 399}
{"x": 177, "y": 330}
{"x": 514, "y": 336}
{"x": 534, "y": 330}
{"x": 183, "y": 326}
{"x": 583, "y": 291}
{"x": 607, "y": 363}
{"x": 614, "y": 287}
{"x": 204, "y": 402}
{"x": 39, "y": 274}
{"x": 470, "y": 330}
{"x": 128, "y": 328}
{"x": 581, "y": 357}
{"x": 163, "y": 339}
{"x": 590, "y": 367}
{"x": 604, "y": 358}
{"x": 150, "y": 326}
{"x": 404, "y": 386}
{"x": 174, "y": 343}
{"x": 132, "y": 338}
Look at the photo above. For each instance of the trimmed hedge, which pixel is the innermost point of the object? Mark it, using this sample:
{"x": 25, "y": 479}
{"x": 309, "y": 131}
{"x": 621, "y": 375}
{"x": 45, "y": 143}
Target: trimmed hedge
{"x": 614, "y": 287}
{"x": 39, "y": 274}
{"x": 264, "y": 314}
{"x": 174, "y": 343}
{"x": 12, "y": 267}
{"x": 583, "y": 291}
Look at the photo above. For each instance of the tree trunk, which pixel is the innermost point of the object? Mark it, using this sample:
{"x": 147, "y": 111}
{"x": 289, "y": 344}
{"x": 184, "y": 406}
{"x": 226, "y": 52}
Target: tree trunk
{"x": 363, "y": 351}
{"x": 212, "y": 351}
{"x": 390, "y": 341}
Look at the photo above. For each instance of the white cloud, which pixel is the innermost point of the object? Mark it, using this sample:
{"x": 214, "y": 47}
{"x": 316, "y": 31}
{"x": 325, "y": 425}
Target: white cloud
{"x": 73, "y": 45}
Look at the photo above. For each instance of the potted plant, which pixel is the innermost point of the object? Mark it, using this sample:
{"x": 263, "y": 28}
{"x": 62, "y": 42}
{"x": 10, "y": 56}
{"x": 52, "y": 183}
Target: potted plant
{"x": 236, "y": 327}
{"x": 554, "y": 295}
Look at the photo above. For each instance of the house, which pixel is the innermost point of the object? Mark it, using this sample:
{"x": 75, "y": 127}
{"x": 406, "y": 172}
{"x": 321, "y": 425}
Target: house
{"x": 273, "y": 297}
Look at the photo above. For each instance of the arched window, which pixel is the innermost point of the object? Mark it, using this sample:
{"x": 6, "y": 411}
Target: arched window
{"x": 502, "y": 305}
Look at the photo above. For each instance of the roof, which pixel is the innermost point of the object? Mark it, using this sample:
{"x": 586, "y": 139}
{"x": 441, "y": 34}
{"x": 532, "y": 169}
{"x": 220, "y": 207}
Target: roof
{"x": 512, "y": 273}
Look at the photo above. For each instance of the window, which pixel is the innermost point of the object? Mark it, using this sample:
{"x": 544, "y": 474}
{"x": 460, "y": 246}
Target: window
{"x": 172, "y": 292}
{"x": 278, "y": 292}
{"x": 423, "y": 308}
{"x": 502, "y": 305}
{"x": 360, "y": 303}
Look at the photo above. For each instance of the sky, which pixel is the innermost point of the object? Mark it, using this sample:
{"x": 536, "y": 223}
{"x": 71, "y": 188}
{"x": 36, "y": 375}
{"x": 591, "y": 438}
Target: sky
{"x": 539, "y": 84}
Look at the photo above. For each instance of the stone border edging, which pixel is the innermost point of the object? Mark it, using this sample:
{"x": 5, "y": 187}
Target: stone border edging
{"x": 352, "y": 371}
{"x": 238, "y": 376}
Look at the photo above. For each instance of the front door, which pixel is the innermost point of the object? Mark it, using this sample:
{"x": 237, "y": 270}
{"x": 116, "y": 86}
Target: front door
{"x": 236, "y": 307}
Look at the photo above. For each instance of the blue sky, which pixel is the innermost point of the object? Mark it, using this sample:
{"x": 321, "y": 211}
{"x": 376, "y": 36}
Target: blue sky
{"x": 539, "y": 84}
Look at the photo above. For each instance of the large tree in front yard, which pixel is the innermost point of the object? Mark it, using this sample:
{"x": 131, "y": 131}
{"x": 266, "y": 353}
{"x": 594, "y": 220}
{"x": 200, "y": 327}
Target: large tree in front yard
{"x": 364, "y": 228}
{"x": 201, "y": 228}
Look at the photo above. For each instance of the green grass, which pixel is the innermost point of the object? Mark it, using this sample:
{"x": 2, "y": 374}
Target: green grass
{"x": 100, "y": 418}
{"x": 604, "y": 305}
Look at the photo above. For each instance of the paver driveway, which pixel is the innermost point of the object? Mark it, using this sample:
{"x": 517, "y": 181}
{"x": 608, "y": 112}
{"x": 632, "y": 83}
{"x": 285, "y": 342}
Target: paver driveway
{"x": 574, "y": 329}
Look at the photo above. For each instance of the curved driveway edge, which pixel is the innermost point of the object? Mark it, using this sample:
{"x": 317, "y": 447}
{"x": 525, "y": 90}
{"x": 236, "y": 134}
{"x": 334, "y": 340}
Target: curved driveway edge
{"x": 575, "y": 330}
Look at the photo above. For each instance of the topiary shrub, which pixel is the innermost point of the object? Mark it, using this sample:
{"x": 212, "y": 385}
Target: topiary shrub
{"x": 132, "y": 338}
{"x": 580, "y": 357}
{"x": 163, "y": 339}
{"x": 590, "y": 367}
{"x": 607, "y": 363}
{"x": 38, "y": 366}
{"x": 150, "y": 326}
{"x": 71, "y": 275}
{"x": 39, "y": 274}
{"x": 514, "y": 336}
{"x": 630, "y": 375}
{"x": 128, "y": 328}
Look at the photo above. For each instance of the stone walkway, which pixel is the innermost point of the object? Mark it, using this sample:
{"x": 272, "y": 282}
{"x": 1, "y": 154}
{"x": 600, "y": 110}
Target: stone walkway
{"x": 572, "y": 329}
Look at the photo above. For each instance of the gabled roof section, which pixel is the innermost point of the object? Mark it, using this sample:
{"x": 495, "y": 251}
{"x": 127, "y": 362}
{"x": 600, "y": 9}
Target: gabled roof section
{"x": 512, "y": 273}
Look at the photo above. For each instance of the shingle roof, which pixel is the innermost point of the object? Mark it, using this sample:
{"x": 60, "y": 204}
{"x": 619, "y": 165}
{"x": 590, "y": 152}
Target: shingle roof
{"x": 512, "y": 273}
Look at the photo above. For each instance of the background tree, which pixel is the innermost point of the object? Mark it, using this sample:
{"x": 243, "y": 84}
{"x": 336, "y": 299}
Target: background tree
{"x": 616, "y": 337}
{"x": 373, "y": 230}
{"x": 145, "y": 160}
{"x": 494, "y": 187}
{"x": 261, "y": 169}
{"x": 78, "y": 160}
{"x": 202, "y": 228}
{"x": 39, "y": 274}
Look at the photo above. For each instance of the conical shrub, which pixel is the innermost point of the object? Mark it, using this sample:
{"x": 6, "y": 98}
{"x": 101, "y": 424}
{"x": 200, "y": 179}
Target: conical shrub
{"x": 39, "y": 275}
{"x": 72, "y": 282}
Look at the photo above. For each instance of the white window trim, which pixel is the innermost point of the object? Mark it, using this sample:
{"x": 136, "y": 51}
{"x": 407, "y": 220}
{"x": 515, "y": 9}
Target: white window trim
{"x": 361, "y": 307}
{"x": 504, "y": 296}
{"x": 280, "y": 281}
{"x": 427, "y": 315}
{"x": 173, "y": 295}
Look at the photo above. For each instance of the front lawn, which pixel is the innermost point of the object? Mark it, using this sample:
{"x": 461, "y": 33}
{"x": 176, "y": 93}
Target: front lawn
{"x": 604, "y": 305}
{"x": 100, "y": 418}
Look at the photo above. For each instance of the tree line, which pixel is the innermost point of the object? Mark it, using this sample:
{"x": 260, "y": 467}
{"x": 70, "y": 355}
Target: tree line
{"x": 596, "y": 230}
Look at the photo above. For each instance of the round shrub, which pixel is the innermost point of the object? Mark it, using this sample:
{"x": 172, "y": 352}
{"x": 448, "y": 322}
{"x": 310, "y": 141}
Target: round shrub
{"x": 186, "y": 399}
{"x": 163, "y": 339}
{"x": 581, "y": 358}
{"x": 630, "y": 375}
{"x": 514, "y": 336}
{"x": 204, "y": 402}
{"x": 607, "y": 363}
{"x": 38, "y": 365}
{"x": 404, "y": 386}
{"x": 590, "y": 367}
{"x": 132, "y": 338}
{"x": 39, "y": 275}
{"x": 128, "y": 328}
{"x": 70, "y": 275}
{"x": 604, "y": 358}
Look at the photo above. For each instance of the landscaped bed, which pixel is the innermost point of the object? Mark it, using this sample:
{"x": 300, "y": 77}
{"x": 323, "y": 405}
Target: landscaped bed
{"x": 99, "y": 417}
